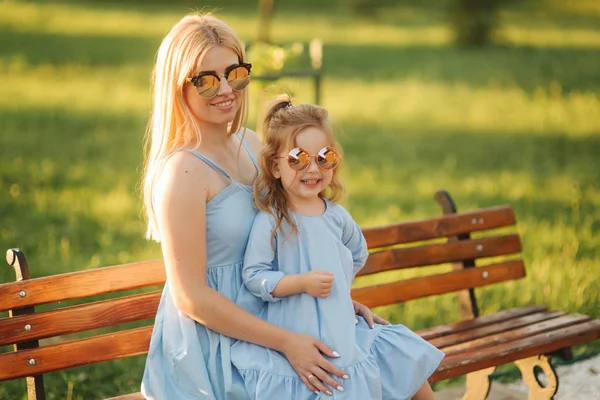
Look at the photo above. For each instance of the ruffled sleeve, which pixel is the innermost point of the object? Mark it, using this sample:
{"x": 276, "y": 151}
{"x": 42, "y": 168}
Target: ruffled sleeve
{"x": 353, "y": 239}
{"x": 259, "y": 273}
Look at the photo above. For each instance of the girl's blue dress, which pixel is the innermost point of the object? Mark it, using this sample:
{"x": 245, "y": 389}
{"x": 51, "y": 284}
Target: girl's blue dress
{"x": 387, "y": 362}
{"x": 186, "y": 360}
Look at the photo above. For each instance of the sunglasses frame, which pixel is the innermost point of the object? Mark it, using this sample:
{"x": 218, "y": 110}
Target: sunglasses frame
{"x": 311, "y": 156}
{"x": 195, "y": 79}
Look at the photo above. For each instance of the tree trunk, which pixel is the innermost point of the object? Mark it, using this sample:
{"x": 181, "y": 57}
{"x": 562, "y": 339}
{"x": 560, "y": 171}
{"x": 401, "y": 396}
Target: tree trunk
{"x": 265, "y": 9}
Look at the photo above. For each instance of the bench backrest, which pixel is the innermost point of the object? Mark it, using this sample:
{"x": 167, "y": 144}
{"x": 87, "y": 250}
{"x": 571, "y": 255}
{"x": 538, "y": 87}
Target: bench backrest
{"x": 24, "y": 327}
{"x": 417, "y": 244}
{"x": 398, "y": 246}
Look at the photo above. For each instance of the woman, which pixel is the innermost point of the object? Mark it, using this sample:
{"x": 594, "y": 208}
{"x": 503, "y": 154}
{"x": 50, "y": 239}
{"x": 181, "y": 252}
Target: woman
{"x": 198, "y": 197}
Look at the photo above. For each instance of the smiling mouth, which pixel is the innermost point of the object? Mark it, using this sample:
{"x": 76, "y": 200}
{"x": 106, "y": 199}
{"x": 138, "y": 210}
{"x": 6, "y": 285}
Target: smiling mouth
{"x": 310, "y": 182}
{"x": 223, "y": 104}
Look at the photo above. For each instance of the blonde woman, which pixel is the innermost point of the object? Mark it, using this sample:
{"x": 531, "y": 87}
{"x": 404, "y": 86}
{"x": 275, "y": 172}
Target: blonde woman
{"x": 198, "y": 197}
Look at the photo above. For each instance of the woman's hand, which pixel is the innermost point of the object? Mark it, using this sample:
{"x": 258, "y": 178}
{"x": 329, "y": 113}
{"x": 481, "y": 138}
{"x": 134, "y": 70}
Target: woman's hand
{"x": 366, "y": 313}
{"x": 304, "y": 354}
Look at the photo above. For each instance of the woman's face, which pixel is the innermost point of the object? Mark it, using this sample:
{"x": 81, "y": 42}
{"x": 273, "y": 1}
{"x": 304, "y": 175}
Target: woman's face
{"x": 221, "y": 109}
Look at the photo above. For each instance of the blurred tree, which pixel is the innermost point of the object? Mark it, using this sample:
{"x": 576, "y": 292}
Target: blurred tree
{"x": 265, "y": 10}
{"x": 474, "y": 21}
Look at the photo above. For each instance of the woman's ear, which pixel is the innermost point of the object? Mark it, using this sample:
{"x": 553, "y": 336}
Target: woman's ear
{"x": 275, "y": 169}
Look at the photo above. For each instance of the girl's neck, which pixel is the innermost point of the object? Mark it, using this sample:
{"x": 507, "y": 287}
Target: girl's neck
{"x": 310, "y": 207}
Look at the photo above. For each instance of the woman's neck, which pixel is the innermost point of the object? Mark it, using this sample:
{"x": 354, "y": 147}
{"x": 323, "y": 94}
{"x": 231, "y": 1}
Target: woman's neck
{"x": 213, "y": 136}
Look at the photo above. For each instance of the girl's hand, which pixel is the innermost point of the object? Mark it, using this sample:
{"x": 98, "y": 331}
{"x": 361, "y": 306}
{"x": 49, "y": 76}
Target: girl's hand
{"x": 304, "y": 354}
{"x": 366, "y": 313}
{"x": 317, "y": 283}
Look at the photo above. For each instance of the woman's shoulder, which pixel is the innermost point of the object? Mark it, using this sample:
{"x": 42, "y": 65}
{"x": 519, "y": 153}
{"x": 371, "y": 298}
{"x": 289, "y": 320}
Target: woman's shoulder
{"x": 252, "y": 139}
{"x": 182, "y": 172}
{"x": 184, "y": 162}
{"x": 181, "y": 157}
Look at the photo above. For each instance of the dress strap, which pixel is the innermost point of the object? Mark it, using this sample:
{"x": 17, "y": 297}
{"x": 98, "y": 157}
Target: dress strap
{"x": 210, "y": 163}
{"x": 249, "y": 151}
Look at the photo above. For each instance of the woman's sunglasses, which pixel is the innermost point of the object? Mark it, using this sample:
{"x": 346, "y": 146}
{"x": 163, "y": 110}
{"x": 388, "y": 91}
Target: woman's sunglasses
{"x": 327, "y": 158}
{"x": 208, "y": 83}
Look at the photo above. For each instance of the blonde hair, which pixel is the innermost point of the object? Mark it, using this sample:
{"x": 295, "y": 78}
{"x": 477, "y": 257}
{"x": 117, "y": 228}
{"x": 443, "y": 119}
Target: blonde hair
{"x": 171, "y": 123}
{"x": 283, "y": 122}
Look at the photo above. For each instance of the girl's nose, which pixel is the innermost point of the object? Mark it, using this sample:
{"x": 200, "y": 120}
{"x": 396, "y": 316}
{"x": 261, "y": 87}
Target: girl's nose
{"x": 313, "y": 164}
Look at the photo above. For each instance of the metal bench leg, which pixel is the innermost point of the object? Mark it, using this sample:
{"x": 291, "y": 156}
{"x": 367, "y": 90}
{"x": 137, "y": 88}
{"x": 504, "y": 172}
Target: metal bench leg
{"x": 537, "y": 390}
{"x": 478, "y": 384}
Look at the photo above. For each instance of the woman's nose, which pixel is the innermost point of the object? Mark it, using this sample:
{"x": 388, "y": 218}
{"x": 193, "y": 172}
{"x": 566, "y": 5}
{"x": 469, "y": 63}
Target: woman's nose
{"x": 224, "y": 87}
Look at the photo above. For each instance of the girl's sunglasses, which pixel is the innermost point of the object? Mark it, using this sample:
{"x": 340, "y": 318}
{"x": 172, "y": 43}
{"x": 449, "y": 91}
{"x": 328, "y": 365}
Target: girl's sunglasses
{"x": 327, "y": 158}
{"x": 208, "y": 83}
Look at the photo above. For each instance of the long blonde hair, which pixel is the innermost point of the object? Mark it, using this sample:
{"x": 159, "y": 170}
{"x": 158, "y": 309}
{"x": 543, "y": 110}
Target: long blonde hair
{"x": 171, "y": 123}
{"x": 283, "y": 122}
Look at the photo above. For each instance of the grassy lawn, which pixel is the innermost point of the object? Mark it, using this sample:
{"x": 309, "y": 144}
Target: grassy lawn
{"x": 517, "y": 122}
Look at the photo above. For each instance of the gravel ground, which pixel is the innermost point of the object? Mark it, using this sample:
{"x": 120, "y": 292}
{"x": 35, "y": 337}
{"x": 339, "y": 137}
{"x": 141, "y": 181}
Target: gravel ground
{"x": 579, "y": 381}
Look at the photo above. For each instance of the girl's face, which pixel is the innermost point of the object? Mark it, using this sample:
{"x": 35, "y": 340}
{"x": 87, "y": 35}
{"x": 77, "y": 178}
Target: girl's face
{"x": 221, "y": 109}
{"x": 303, "y": 187}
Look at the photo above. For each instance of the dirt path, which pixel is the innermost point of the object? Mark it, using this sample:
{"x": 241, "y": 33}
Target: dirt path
{"x": 579, "y": 381}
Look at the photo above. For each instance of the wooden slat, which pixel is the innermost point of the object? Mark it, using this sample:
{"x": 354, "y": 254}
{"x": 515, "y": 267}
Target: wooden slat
{"x": 441, "y": 253}
{"x": 79, "y": 318}
{"x": 507, "y": 336}
{"x": 81, "y": 284}
{"x": 543, "y": 343}
{"x": 500, "y": 326}
{"x": 75, "y": 353}
{"x": 409, "y": 289}
{"x": 504, "y": 315}
{"x": 447, "y": 225}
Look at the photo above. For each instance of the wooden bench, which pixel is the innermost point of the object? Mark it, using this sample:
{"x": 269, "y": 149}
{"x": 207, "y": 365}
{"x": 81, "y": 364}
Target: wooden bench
{"x": 474, "y": 346}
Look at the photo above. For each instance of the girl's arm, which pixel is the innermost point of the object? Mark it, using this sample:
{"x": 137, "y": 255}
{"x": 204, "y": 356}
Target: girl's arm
{"x": 316, "y": 283}
{"x": 289, "y": 285}
{"x": 260, "y": 275}
{"x": 271, "y": 285}
{"x": 354, "y": 240}
{"x": 180, "y": 205}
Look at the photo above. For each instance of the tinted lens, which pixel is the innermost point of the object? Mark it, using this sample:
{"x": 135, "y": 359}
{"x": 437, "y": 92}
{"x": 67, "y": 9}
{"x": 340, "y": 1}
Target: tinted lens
{"x": 298, "y": 159}
{"x": 238, "y": 78}
{"x": 328, "y": 158}
{"x": 207, "y": 86}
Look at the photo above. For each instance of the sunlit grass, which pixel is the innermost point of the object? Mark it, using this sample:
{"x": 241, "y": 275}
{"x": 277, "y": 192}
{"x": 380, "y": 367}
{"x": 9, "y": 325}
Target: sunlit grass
{"x": 112, "y": 21}
{"x": 412, "y": 101}
{"x": 459, "y": 106}
{"x": 517, "y": 124}
{"x": 74, "y": 19}
{"x": 116, "y": 90}
{"x": 551, "y": 37}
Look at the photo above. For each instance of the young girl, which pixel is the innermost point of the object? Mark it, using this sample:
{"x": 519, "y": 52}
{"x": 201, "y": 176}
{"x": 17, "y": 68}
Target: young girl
{"x": 303, "y": 253}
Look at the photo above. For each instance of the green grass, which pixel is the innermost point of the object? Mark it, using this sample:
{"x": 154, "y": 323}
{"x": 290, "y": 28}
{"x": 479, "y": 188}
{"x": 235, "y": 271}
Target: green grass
{"x": 517, "y": 122}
